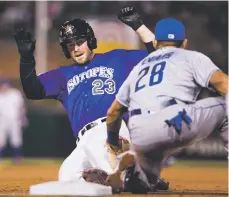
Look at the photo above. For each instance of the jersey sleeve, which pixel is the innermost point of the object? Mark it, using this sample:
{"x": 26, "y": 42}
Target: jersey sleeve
{"x": 203, "y": 68}
{"x": 53, "y": 83}
{"x": 123, "y": 94}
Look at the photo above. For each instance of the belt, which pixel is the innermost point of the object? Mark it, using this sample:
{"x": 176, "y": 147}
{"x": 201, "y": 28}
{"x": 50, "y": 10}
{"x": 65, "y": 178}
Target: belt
{"x": 140, "y": 111}
{"x": 90, "y": 126}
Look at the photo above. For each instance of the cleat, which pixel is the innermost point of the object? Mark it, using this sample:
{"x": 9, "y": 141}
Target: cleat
{"x": 162, "y": 185}
{"x": 132, "y": 183}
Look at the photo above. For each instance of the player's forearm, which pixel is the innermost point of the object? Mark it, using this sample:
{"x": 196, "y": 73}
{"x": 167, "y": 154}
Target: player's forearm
{"x": 145, "y": 34}
{"x": 222, "y": 88}
{"x": 220, "y": 82}
{"x": 146, "y": 37}
{"x": 113, "y": 127}
{"x": 114, "y": 121}
{"x": 32, "y": 86}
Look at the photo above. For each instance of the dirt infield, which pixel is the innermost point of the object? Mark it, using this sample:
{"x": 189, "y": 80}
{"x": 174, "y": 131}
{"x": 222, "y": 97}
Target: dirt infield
{"x": 197, "y": 179}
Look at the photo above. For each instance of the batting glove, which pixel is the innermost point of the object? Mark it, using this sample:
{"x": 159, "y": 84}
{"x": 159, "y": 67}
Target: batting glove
{"x": 130, "y": 17}
{"x": 25, "y": 44}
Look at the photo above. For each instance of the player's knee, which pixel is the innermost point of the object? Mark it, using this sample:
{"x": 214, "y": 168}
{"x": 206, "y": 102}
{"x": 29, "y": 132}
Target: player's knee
{"x": 63, "y": 176}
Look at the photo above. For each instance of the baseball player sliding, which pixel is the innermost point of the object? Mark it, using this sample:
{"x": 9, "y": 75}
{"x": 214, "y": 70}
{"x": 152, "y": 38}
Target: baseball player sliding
{"x": 86, "y": 88}
{"x": 160, "y": 95}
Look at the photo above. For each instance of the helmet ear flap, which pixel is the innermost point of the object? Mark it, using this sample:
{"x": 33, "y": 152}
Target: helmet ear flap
{"x": 92, "y": 41}
{"x": 65, "y": 50}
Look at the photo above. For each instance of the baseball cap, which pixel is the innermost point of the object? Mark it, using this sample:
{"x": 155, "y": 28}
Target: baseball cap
{"x": 169, "y": 29}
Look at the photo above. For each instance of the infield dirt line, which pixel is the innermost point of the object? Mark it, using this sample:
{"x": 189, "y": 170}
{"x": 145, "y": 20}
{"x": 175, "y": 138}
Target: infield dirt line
{"x": 126, "y": 194}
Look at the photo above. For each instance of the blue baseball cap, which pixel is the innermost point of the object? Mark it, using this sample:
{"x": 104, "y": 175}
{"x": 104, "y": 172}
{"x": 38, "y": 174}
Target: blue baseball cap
{"x": 169, "y": 29}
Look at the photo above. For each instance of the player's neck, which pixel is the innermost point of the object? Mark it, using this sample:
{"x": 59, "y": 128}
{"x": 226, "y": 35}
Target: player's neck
{"x": 163, "y": 47}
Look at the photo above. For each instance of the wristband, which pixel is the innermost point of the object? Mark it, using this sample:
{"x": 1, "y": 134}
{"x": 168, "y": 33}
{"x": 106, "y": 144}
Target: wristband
{"x": 112, "y": 138}
{"x": 137, "y": 24}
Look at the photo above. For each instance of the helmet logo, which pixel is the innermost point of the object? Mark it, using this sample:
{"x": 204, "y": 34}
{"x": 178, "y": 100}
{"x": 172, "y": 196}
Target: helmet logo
{"x": 68, "y": 29}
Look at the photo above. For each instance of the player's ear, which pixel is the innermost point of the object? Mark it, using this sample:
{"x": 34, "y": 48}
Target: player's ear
{"x": 184, "y": 44}
{"x": 154, "y": 43}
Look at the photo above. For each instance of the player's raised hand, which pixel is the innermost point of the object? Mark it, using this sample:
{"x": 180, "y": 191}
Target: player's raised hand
{"x": 25, "y": 44}
{"x": 131, "y": 17}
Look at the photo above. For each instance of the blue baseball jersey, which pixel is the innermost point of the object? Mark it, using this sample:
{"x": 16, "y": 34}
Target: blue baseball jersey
{"x": 87, "y": 91}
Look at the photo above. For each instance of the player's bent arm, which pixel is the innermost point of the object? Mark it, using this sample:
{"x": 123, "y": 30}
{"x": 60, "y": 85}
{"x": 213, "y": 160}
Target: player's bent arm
{"x": 130, "y": 16}
{"x": 26, "y": 47}
{"x": 114, "y": 120}
{"x": 219, "y": 81}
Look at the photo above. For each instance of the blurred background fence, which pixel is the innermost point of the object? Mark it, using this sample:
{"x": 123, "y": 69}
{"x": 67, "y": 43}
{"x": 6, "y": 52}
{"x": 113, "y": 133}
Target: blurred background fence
{"x": 48, "y": 133}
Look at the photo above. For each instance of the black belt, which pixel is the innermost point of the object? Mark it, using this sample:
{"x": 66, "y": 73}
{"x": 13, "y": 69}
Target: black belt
{"x": 89, "y": 126}
{"x": 139, "y": 111}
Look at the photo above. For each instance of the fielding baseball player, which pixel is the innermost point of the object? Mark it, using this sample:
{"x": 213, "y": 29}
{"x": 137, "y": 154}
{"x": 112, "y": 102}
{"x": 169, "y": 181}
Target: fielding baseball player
{"x": 160, "y": 95}
{"x": 86, "y": 89}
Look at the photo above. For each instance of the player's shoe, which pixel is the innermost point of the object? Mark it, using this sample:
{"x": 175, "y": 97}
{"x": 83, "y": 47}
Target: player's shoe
{"x": 132, "y": 183}
{"x": 135, "y": 185}
{"x": 161, "y": 185}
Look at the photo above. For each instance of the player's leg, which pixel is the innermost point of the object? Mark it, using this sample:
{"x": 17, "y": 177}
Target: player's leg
{"x": 209, "y": 115}
{"x": 223, "y": 133}
{"x": 95, "y": 146}
{"x": 15, "y": 139}
{"x": 98, "y": 155}
{"x": 3, "y": 136}
{"x": 72, "y": 167}
{"x": 153, "y": 139}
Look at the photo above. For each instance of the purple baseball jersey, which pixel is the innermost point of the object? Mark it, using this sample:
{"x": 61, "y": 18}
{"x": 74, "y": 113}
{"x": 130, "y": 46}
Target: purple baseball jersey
{"x": 87, "y": 91}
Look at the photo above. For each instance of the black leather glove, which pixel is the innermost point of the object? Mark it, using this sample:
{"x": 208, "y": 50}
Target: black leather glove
{"x": 25, "y": 44}
{"x": 131, "y": 17}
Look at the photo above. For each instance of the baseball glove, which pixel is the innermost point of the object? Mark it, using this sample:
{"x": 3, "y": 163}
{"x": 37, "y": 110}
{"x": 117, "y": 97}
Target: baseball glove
{"x": 114, "y": 151}
{"x": 94, "y": 175}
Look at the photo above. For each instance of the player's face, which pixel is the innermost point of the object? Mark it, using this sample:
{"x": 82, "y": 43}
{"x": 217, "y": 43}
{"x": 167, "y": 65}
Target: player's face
{"x": 79, "y": 51}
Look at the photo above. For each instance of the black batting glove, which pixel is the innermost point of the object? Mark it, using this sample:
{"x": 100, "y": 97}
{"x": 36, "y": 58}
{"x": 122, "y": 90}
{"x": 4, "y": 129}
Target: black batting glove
{"x": 25, "y": 44}
{"x": 130, "y": 17}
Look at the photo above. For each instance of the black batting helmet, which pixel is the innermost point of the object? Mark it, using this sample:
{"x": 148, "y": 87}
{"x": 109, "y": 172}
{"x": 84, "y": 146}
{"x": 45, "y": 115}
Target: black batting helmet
{"x": 75, "y": 29}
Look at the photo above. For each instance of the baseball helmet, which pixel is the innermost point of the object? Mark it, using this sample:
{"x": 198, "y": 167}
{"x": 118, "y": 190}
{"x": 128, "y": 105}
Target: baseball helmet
{"x": 75, "y": 29}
